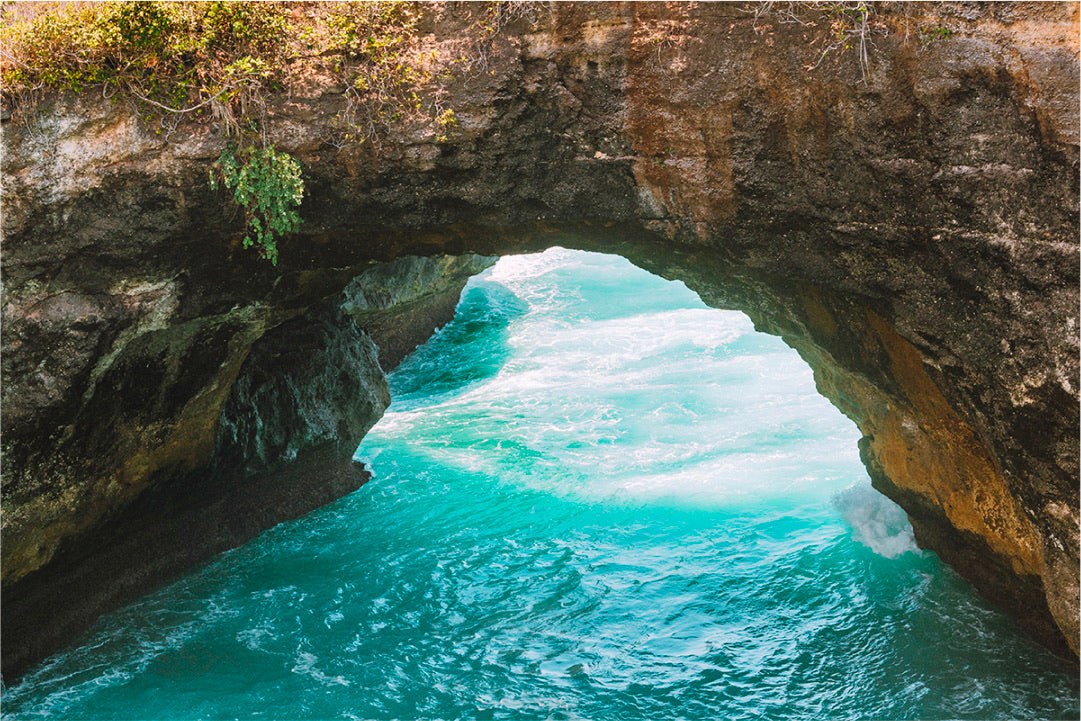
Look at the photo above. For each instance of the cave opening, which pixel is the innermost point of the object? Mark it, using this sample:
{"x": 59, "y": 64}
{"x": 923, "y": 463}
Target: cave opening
{"x": 596, "y": 367}
{"x": 593, "y": 496}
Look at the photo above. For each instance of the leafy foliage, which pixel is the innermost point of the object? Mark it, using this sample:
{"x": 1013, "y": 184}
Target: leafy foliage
{"x": 222, "y": 59}
{"x": 929, "y": 35}
{"x": 380, "y": 67}
{"x": 169, "y": 55}
{"x": 269, "y": 186}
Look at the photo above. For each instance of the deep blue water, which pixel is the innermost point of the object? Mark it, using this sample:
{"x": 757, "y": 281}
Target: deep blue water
{"x": 593, "y": 498}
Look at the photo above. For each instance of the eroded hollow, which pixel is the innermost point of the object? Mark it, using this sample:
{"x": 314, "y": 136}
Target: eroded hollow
{"x": 594, "y": 496}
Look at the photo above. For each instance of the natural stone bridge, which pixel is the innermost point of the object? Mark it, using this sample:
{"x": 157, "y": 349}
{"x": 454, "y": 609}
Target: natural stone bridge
{"x": 913, "y": 234}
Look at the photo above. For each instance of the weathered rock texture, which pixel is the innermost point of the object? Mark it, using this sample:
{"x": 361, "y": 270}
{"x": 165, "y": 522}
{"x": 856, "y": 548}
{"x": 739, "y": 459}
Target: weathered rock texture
{"x": 270, "y": 418}
{"x": 913, "y": 234}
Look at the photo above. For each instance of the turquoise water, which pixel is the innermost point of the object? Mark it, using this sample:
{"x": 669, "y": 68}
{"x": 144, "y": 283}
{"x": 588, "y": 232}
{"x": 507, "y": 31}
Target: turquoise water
{"x": 593, "y": 498}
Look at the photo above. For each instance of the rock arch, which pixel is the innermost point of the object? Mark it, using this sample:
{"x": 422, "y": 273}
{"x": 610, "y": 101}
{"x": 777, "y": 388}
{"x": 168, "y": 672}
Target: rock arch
{"x": 913, "y": 236}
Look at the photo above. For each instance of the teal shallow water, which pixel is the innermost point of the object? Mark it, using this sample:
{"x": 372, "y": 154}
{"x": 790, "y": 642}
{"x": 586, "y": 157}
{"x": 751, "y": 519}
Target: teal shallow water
{"x": 593, "y": 498}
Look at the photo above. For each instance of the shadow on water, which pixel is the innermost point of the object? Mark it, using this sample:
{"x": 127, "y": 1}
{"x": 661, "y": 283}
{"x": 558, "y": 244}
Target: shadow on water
{"x": 471, "y": 348}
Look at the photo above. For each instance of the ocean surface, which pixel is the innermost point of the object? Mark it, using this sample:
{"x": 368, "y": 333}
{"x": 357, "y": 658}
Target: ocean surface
{"x": 593, "y": 498}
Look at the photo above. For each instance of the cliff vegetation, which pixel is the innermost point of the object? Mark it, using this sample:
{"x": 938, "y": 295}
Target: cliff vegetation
{"x": 218, "y": 61}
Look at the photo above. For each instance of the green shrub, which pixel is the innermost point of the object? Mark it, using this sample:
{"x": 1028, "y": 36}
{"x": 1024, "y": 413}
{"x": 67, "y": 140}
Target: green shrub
{"x": 382, "y": 69}
{"x": 929, "y": 35}
{"x": 170, "y": 54}
{"x": 269, "y": 186}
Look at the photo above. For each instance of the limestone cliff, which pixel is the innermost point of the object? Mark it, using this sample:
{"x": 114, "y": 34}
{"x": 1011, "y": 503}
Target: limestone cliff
{"x": 911, "y": 229}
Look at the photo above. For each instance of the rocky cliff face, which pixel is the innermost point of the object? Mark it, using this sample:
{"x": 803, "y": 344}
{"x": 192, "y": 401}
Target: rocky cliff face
{"x": 234, "y": 426}
{"x": 911, "y": 230}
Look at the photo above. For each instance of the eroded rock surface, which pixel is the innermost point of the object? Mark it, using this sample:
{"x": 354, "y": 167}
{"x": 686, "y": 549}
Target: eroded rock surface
{"x": 911, "y": 231}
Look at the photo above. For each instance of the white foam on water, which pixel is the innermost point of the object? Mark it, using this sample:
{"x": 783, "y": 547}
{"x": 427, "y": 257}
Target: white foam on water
{"x": 876, "y": 521}
{"x": 631, "y": 403}
{"x": 517, "y": 268}
{"x": 305, "y": 664}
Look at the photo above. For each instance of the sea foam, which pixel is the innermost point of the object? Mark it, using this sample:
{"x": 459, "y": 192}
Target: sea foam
{"x": 876, "y": 521}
